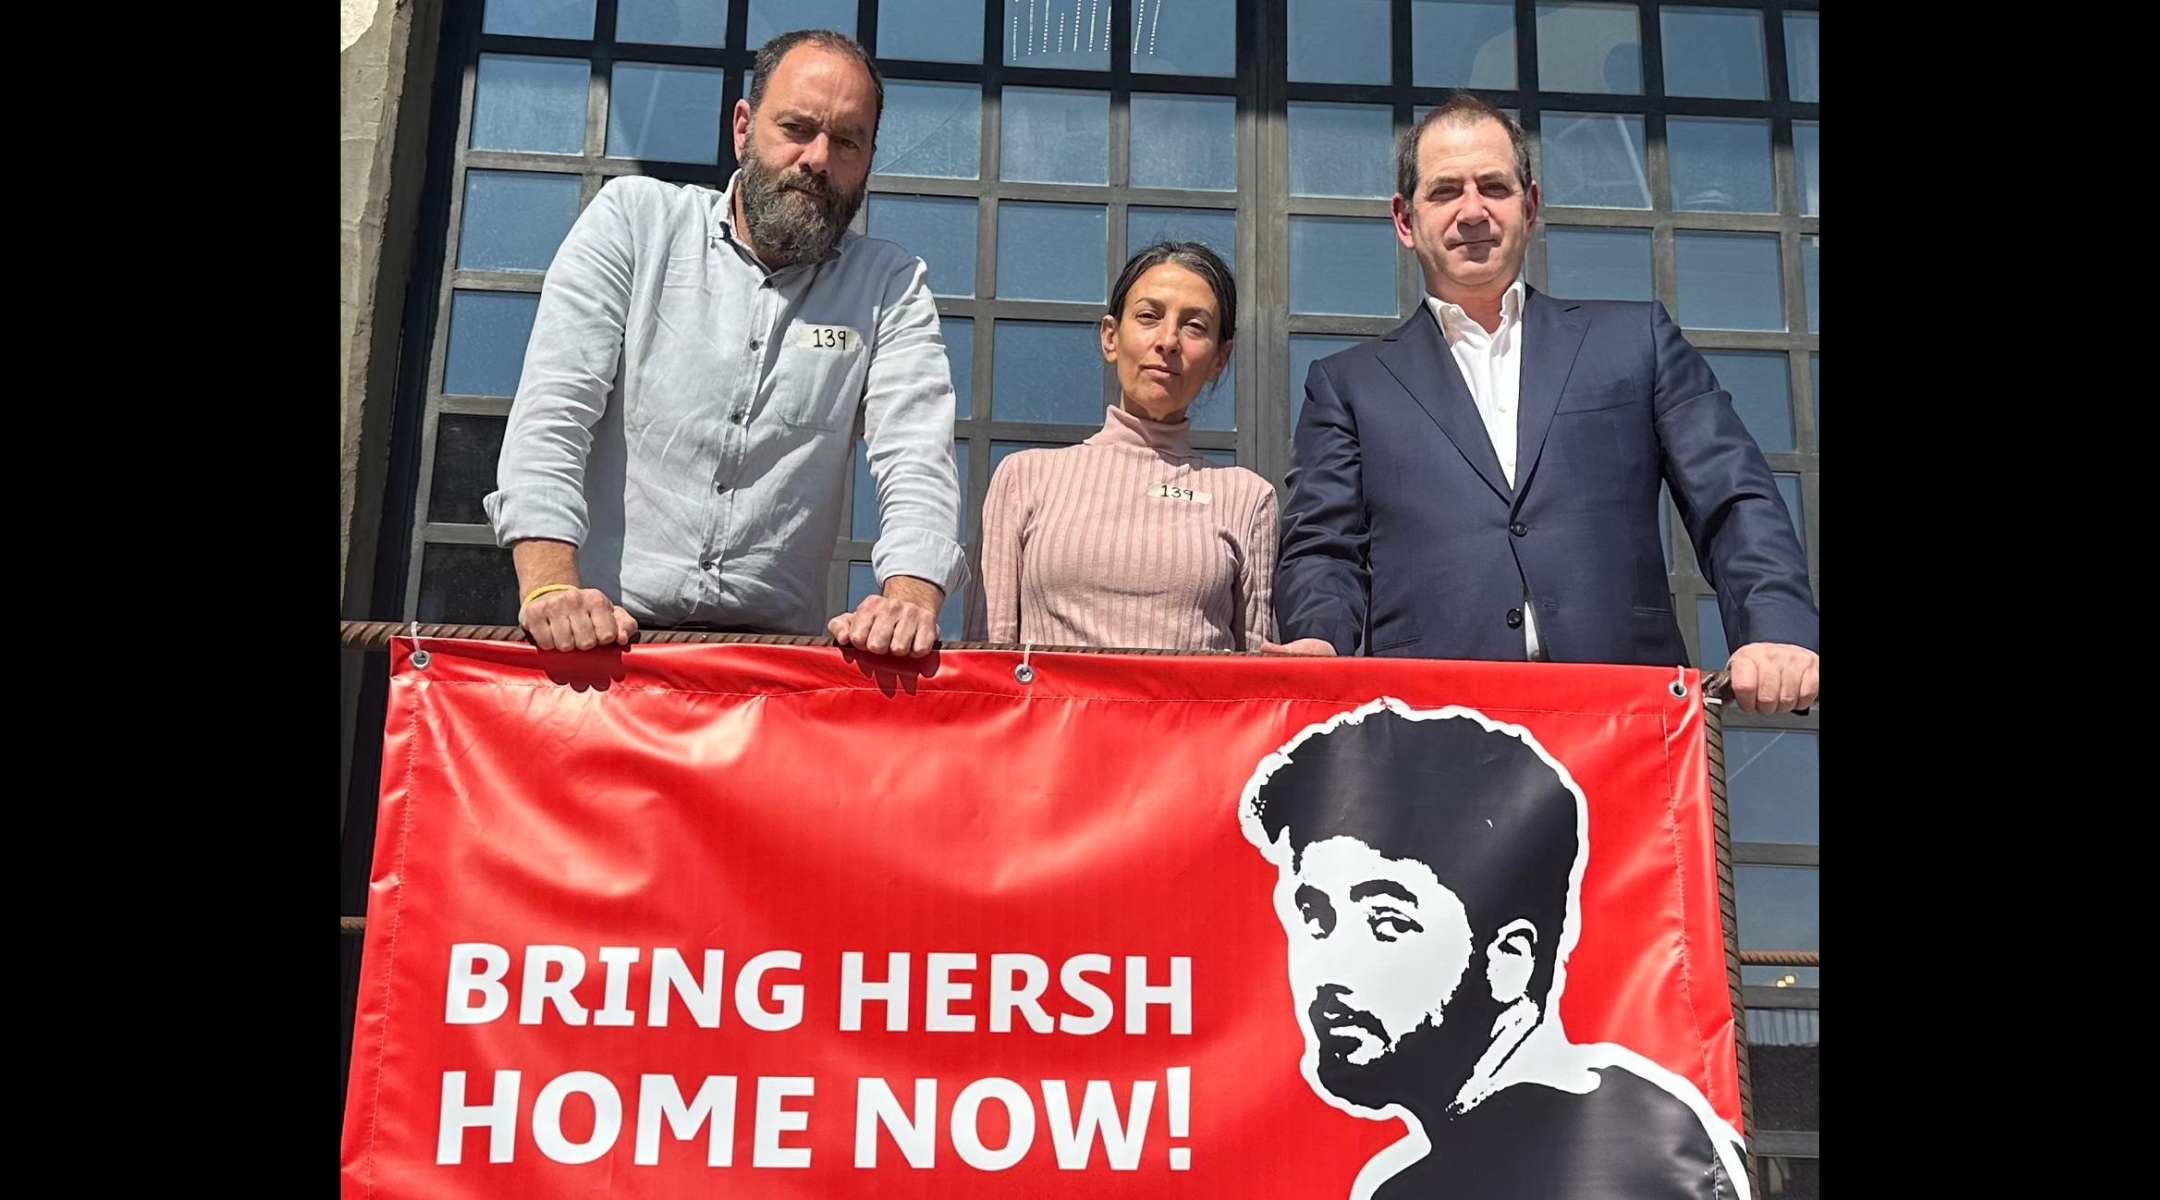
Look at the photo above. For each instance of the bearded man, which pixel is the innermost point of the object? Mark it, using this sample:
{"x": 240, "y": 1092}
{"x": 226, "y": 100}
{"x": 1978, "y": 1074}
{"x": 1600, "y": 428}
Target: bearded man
{"x": 682, "y": 429}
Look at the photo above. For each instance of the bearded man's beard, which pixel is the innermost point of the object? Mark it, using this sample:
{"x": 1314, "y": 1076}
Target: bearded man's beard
{"x": 1424, "y": 1069}
{"x": 788, "y": 225}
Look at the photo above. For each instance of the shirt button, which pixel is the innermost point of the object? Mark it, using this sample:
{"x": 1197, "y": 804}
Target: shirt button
{"x": 737, "y": 416}
{"x": 718, "y": 487}
{"x": 713, "y": 564}
{"x": 1514, "y": 618}
{"x": 755, "y": 343}
{"x": 1518, "y": 529}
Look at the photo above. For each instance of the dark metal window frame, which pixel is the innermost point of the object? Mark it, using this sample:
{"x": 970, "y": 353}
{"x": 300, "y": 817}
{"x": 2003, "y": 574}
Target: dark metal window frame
{"x": 977, "y": 431}
{"x": 1262, "y": 206}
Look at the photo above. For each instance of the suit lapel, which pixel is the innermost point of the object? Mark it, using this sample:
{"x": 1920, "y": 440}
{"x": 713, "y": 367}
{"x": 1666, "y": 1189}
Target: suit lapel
{"x": 1418, "y": 357}
{"x": 1552, "y": 334}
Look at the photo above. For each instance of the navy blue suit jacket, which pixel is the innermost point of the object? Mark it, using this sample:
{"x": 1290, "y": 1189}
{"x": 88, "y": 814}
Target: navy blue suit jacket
{"x": 1402, "y": 535}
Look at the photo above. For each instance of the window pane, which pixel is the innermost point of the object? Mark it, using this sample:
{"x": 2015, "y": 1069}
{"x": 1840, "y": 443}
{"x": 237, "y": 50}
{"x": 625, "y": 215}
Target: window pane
{"x": 1196, "y": 37}
{"x": 1785, "y": 1052}
{"x": 664, "y": 112}
{"x": 1221, "y": 458}
{"x": 1811, "y": 277}
{"x": 1215, "y": 227}
{"x": 1779, "y": 908}
{"x": 960, "y": 467}
{"x": 1807, "y": 158}
{"x": 1341, "y": 150}
{"x": 938, "y": 229}
{"x": 514, "y": 220}
{"x": 467, "y": 585}
{"x": 1340, "y": 41}
{"x": 1803, "y": 56}
{"x": 1216, "y": 405}
{"x": 531, "y": 104}
{"x": 1046, "y": 371}
{"x": 932, "y": 129}
{"x": 1788, "y": 487}
{"x": 1791, "y": 1178}
{"x": 1815, "y": 386}
{"x": 1720, "y": 164}
{"x": 488, "y": 332}
{"x": 1462, "y": 43}
{"x": 861, "y": 582}
{"x": 1761, "y": 387}
{"x": 1729, "y": 281}
{"x": 1305, "y": 350}
{"x": 1589, "y": 48}
{"x": 1773, "y": 780}
{"x": 539, "y": 18}
{"x": 466, "y": 448}
{"x": 1054, "y": 136}
{"x": 929, "y": 30}
{"x": 672, "y": 22}
{"x": 1710, "y": 633}
{"x": 863, "y": 522}
{"x": 1597, "y": 264}
{"x": 1714, "y": 52}
{"x": 1594, "y": 160}
{"x": 1184, "y": 142}
{"x": 999, "y": 450}
{"x": 959, "y": 334}
{"x": 1058, "y": 33}
{"x": 1050, "y": 252}
{"x": 1342, "y": 265}
{"x": 771, "y": 18}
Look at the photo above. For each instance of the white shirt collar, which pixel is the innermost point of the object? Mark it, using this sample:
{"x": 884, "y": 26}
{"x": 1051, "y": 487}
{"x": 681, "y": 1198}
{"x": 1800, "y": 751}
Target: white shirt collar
{"x": 1453, "y": 319}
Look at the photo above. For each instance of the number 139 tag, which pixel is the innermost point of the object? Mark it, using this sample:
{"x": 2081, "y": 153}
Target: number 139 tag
{"x": 827, "y": 337}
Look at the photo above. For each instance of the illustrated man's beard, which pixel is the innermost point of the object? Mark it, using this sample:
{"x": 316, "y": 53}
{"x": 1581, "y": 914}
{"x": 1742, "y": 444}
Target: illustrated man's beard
{"x": 788, "y": 225}
{"x": 1425, "y": 1067}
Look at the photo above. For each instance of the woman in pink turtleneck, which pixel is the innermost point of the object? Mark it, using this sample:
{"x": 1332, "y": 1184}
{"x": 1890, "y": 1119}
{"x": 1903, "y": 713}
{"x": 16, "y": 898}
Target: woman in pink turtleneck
{"x": 1131, "y": 539}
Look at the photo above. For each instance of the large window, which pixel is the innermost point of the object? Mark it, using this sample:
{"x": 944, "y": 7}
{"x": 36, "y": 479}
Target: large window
{"x": 1029, "y": 145}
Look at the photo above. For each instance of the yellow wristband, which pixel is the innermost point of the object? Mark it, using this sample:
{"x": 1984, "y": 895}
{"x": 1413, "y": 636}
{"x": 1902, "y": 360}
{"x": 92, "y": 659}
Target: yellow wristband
{"x": 544, "y": 589}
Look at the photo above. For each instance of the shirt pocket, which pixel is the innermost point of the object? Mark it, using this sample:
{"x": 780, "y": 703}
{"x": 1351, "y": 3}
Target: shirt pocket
{"x": 818, "y": 380}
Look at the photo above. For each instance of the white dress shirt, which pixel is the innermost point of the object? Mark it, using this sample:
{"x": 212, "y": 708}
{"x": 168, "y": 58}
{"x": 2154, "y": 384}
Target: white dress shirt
{"x": 1491, "y": 365}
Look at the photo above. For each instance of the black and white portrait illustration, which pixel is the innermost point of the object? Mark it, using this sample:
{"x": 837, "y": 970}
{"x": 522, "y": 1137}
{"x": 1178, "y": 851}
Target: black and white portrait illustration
{"x": 1429, "y": 868}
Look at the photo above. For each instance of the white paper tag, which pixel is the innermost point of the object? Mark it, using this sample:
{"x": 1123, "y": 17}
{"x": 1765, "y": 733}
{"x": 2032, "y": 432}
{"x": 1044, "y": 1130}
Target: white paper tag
{"x": 826, "y": 337}
{"x": 1171, "y": 491}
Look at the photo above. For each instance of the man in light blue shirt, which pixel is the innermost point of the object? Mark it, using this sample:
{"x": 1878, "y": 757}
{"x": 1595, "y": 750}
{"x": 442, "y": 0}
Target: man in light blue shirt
{"x": 685, "y": 419}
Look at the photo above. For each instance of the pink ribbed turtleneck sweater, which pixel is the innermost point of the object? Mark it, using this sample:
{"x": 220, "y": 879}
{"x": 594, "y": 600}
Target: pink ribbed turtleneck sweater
{"x": 1129, "y": 539}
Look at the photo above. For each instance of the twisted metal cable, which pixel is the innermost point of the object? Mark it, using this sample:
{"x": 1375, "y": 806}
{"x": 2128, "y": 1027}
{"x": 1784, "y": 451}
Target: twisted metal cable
{"x": 376, "y": 635}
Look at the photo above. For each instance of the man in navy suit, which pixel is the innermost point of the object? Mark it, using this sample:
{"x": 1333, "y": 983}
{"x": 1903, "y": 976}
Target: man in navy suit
{"x": 1482, "y": 482}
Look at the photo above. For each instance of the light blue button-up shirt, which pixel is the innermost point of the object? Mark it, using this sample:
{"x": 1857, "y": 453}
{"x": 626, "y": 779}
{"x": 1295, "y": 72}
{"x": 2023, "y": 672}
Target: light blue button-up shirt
{"x": 686, "y": 417}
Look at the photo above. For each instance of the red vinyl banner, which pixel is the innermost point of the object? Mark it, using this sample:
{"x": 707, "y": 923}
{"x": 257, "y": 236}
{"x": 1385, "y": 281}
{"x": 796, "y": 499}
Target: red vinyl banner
{"x": 782, "y": 921}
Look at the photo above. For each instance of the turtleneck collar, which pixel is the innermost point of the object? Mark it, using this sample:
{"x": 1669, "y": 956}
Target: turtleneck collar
{"x": 1172, "y": 439}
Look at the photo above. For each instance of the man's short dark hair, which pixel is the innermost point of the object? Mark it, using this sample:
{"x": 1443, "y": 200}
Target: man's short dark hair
{"x": 1460, "y": 108}
{"x": 1493, "y": 820}
{"x": 769, "y": 56}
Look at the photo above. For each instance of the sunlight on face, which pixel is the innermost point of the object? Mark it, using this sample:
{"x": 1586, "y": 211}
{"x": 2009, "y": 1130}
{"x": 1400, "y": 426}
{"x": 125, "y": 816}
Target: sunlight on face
{"x": 1168, "y": 343}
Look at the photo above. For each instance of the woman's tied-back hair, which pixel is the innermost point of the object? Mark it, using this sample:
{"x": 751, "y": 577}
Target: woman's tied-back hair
{"x": 1194, "y": 257}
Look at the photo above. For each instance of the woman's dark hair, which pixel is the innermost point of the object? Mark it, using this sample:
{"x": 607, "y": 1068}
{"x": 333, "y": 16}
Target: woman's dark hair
{"x": 1194, "y": 257}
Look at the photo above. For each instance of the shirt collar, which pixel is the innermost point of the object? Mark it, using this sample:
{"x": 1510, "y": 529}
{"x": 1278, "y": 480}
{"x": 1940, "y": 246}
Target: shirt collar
{"x": 1453, "y": 319}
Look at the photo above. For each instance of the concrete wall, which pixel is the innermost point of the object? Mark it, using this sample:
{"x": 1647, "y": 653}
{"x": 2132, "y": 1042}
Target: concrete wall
{"x": 386, "y": 66}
